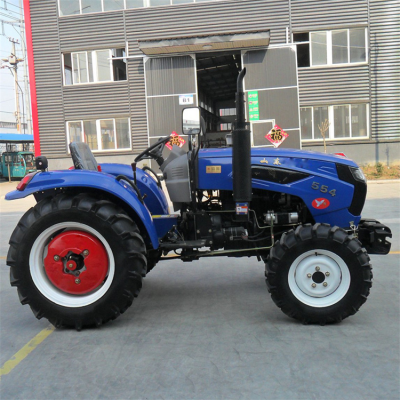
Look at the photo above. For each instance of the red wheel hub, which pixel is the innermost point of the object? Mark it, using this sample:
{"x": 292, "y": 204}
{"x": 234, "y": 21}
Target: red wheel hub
{"x": 76, "y": 262}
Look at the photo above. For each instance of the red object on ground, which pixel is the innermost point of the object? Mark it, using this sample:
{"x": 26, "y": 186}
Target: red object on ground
{"x": 92, "y": 267}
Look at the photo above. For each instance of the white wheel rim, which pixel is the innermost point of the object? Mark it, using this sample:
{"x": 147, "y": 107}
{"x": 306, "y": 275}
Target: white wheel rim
{"x": 42, "y": 282}
{"x": 319, "y": 278}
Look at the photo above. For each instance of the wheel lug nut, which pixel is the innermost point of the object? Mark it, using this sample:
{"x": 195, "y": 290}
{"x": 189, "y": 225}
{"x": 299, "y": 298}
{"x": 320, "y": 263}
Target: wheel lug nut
{"x": 308, "y": 275}
{"x": 77, "y": 281}
{"x": 327, "y": 273}
{"x": 56, "y": 258}
{"x": 325, "y": 284}
{"x": 317, "y": 268}
{"x": 313, "y": 285}
{"x": 85, "y": 252}
{"x": 70, "y": 265}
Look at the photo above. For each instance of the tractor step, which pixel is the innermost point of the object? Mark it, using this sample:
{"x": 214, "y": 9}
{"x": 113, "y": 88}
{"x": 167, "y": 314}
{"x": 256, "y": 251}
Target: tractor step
{"x": 188, "y": 244}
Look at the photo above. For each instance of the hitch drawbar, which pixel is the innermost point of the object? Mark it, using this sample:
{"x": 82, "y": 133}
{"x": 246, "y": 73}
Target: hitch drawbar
{"x": 372, "y": 234}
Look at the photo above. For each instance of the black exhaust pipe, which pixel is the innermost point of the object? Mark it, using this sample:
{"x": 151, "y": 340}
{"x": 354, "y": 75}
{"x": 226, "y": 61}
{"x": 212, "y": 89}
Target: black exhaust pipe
{"x": 241, "y": 154}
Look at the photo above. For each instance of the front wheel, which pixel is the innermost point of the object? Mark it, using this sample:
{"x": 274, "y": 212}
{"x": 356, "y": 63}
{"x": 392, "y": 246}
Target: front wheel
{"x": 76, "y": 260}
{"x": 318, "y": 274}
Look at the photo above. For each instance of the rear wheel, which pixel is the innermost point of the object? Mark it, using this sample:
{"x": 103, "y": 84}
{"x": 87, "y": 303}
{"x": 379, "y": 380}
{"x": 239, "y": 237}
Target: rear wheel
{"x": 153, "y": 256}
{"x": 76, "y": 261}
{"x": 318, "y": 274}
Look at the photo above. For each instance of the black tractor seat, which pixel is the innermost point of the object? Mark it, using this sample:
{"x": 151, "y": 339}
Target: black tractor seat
{"x": 82, "y": 156}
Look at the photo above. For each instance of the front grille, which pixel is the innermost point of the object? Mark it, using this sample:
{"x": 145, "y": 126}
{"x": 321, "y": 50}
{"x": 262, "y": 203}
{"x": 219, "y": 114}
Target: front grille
{"x": 360, "y": 188}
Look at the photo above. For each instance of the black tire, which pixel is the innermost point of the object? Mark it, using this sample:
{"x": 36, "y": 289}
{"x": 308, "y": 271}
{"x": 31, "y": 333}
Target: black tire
{"x": 102, "y": 219}
{"x": 153, "y": 256}
{"x": 291, "y": 262}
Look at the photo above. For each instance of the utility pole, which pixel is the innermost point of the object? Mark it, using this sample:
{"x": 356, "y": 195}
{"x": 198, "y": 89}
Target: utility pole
{"x": 28, "y": 117}
{"x": 13, "y": 60}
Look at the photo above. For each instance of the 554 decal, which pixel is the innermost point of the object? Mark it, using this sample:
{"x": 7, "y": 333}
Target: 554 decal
{"x": 323, "y": 188}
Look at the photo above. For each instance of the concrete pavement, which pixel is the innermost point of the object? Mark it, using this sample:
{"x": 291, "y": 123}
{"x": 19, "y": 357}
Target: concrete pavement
{"x": 208, "y": 330}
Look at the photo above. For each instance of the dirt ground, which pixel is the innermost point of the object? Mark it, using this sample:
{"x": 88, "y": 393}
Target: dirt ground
{"x": 380, "y": 171}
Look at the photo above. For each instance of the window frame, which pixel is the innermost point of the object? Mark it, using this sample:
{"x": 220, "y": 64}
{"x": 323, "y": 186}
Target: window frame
{"x": 68, "y": 134}
{"x": 98, "y": 130}
{"x": 347, "y": 44}
{"x": 312, "y": 123}
{"x": 331, "y": 131}
{"x": 96, "y": 66}
{"x": 146, "y": 4}
{"x": 95, "y": 70}
{"x": 79, "y": 69}
{"x": 329, "y": 55}
{"x": 98, "y": 134}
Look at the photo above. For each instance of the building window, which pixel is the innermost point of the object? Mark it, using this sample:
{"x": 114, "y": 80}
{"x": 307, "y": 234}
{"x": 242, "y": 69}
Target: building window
{"x": 340, "y": 50}
{"x": 346, "y": 121}
{"x": 223, "y": 112}
{"x": 111, "y": 5}
{"x": 225, "y": 127}
{"x": 101, "y": 134}
{"x": 69, "y": 7}
{"x": 90, "y": 6}
{"x": 134, "y": 3}
{"x": 94, "y": 66}
{"x": 306, "y": 123}
{"x": 341, "y": 121}
{"x": 358, "y": 49}
{"x": 73, "y": 7}
{"x": 343, "y": 46}
{"x": 318, "y": 48}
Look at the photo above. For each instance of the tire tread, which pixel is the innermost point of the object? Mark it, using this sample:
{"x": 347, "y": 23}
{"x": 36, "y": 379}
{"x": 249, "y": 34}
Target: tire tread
{"x": 301, "y": 235}
{"x": 120, "y": 223}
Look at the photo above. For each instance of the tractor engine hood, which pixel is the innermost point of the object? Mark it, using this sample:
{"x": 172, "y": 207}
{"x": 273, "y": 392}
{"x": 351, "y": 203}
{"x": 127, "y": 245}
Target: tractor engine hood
{"x": 217, "y": 164}
{"x": 260, "y": 152}
{"x": 294, "y": 172}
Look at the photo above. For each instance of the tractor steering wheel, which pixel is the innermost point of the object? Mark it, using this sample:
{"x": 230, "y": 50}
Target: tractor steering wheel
{"x": 154, "y": 151}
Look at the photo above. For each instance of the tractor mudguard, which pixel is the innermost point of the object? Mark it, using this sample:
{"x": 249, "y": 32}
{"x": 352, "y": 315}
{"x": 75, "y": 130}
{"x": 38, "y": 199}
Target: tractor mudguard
{"x": 155, "y": 199}
{"x": 94, "y": 180}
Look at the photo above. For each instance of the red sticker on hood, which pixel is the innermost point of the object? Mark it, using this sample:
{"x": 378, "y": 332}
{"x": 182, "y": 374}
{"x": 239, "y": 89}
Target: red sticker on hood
{"x": 320, "y": 203}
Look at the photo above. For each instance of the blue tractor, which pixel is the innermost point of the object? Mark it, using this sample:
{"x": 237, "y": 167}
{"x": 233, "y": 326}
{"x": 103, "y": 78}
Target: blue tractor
{"x": 79, "y": 255}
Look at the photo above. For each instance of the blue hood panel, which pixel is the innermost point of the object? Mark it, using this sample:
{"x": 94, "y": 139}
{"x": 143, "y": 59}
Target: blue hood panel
{"x": 284, "y": 153}
{"x": 215, "y": 173}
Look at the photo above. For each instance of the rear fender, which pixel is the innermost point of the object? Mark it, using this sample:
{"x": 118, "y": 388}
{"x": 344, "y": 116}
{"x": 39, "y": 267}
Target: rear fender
{"x": 155, "y": 199}
{"x": 53, "y": 180}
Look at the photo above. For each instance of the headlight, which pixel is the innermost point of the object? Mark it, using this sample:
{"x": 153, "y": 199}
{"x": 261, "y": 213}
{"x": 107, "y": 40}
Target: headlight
{"x": 358, "y": 174}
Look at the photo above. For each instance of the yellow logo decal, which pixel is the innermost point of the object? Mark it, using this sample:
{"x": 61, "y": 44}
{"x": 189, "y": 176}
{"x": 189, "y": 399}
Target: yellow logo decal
{"x": 264, "y": 161}
{"x": 213, "y": 169}
{"x": 276, "y": 161}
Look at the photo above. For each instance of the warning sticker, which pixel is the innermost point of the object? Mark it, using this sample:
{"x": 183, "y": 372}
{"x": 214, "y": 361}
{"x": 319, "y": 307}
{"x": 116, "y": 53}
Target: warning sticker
{"x": 276, "y": 136}
{"x": 213, "y": 169}
{"x": 175, "y": 140}
{"x": 242, "y": 208}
